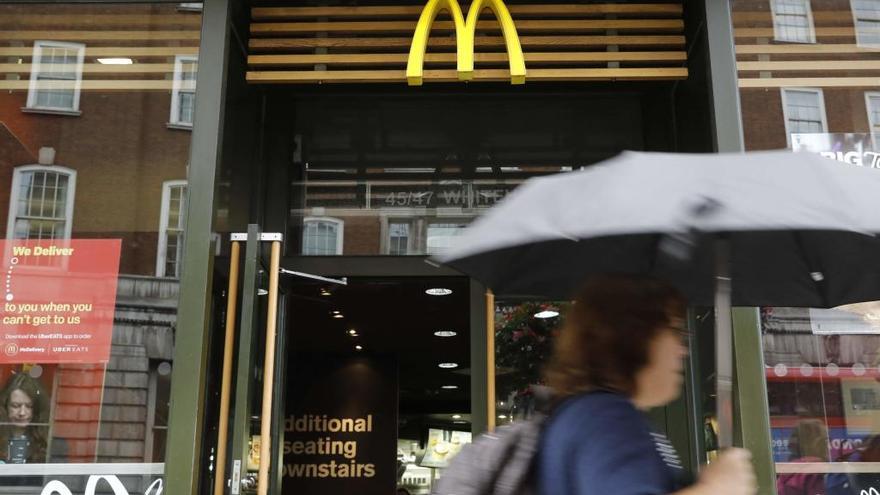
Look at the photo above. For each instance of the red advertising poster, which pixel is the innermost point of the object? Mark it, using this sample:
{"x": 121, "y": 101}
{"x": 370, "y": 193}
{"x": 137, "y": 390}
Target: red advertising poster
{"x": 58, "y": 300}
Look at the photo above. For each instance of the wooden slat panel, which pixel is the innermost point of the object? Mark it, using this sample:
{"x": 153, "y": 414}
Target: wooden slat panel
{"x": 18, "y": 21}
{"x": 819, "y": 17}
{"x": 399, "y": 76}
{"x": 100, "y": 35}
{"x": 482, "y": 41}
{"x": 287, "y": 28}
{"x": 120, "y": 51}
{"x": 809, "y": 65}
{"x": 276, "y": 13}
{"x": 96, "y": 85}
{"x": 99, "y": 68}
{"x": 815, "y": 82}
{"x": 821, "y": 32}
{"x": 803, "y": 48}
{"x": 400, "y": 58}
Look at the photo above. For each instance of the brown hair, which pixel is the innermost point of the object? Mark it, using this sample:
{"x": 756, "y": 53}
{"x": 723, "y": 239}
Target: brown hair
{"x": 606, "y": 337}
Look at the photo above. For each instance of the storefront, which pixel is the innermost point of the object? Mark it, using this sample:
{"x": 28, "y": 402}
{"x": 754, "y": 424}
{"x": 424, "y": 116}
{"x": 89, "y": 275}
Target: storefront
{"x": 221, "y": 217}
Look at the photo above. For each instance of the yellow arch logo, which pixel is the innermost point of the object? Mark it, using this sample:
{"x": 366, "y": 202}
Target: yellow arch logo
{"x": 464, "y": 34}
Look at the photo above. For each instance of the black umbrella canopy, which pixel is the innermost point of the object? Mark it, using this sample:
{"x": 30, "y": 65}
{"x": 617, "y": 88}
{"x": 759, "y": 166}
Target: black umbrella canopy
{"x": 817, "y": 268}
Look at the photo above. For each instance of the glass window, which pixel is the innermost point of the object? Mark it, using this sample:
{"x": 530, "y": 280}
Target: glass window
{"x": 793, "y": 21}
{"x": 872, "y": 103}
{"x": 171, "y": 227}
{"x": 866, "y": 16}
{"x": 804, "y": 111}
{"x": 322, "y": 236}
{"x": 95, "y": 206}
{"x": 184, "y": 92}
{"x": 398, "y": 238}
{"x": 42, "y": 203}
{"x": 440, "y": 235}
{"x": 56, "y": 76}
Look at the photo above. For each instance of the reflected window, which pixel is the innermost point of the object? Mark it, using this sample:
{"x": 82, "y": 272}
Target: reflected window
{"x": 872, "y": 103}
{"x": 171, "y": 228}
{"x": 42, "y": 203}
{"x": 183, "y": 95}
{"x": 804, "y": 111}
{"x": 866, "y": 17}
{"x": 441, "y": 235}
{"x": 793, "y": 21}
{"x": 56, "y": 76}
{"x": 322, "y": 236}
{"x": 399, "y": 238}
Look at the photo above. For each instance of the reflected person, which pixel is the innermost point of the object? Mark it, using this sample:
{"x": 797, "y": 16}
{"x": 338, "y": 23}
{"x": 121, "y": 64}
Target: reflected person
{"x": 807, "y": 443}
{"x": 22, "y": 421}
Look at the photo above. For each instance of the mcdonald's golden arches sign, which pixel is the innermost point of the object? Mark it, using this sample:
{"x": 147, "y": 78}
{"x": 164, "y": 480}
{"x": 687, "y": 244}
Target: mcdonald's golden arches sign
{"x": 449, "y": 41}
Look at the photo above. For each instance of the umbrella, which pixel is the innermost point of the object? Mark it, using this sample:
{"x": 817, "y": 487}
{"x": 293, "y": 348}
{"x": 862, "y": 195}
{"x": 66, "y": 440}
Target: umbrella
{"x": 747, "y": 229}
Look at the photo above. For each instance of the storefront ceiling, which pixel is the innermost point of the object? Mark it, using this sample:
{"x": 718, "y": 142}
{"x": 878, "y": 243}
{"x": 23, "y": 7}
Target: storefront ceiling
{"x": 393, "y": 317}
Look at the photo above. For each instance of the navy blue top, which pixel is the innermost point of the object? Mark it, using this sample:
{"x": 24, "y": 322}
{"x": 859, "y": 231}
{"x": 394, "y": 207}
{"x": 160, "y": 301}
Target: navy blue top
{"x": 599, "y": 443}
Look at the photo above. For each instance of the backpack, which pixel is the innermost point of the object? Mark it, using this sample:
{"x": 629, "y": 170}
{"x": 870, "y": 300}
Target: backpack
{"x": 497, "y": 463}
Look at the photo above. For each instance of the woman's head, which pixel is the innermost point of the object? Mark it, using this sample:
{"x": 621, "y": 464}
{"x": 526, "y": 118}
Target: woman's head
{"x": 624, "y": 334}
{"x": 21, "y": 401}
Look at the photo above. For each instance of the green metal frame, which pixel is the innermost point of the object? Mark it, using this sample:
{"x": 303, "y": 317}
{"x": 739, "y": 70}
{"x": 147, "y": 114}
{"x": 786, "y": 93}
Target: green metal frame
{"x": 753, "y": 420}
{"x": 479, "y": 362}
{"x": 185, "y": 431}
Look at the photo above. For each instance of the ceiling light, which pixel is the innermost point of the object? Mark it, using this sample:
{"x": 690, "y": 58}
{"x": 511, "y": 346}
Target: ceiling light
{"x": 449, "y": 387}
{"x": 547, "y": 313}
{"x": 115, "y": 61}
{"x": 460, "y": 422}
{"x": 445, "y": 333}
{"x": 359, "y": 348}
{"x": 262, "y": 292}
{"x": 448, "y": 365}
{"x": 456, "y": 416}
{"x": 325, "y": 292}
{"x": 501, "y": 416}
{"x": 438, "y": 291}
{"x": 353, "y": 332}
{"x": 338, "y": 315}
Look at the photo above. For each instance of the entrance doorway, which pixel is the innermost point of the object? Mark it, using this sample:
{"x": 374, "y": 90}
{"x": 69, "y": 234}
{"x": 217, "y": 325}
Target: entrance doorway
{"x": 393, "y": 352}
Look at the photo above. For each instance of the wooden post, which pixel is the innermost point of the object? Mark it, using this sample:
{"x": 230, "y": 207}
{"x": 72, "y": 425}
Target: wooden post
{"x": 228, "y": 343}
{"x": 269, "y": 371}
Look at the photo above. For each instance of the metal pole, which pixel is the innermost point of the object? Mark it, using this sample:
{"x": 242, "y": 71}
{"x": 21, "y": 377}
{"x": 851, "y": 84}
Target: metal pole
{"x": 269, "y": 371}
{"x": 723, "y": 344}
{"x": 225, "y": 387}
{"x": 490, "y": 360}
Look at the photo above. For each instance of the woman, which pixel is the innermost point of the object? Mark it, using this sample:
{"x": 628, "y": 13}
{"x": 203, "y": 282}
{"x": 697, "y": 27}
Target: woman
{"x": 619, "y": 354}
{"x": 807, "y": 443}
{"x": 22, "y": 421}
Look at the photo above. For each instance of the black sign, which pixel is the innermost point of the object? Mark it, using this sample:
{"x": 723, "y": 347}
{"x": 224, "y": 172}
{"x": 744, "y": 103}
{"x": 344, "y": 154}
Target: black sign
{"x": 340, "y": 433}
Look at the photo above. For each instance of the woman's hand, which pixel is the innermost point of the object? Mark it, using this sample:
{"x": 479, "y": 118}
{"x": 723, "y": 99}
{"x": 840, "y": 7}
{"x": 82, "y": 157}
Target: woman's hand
{"x": 731, "y": 474}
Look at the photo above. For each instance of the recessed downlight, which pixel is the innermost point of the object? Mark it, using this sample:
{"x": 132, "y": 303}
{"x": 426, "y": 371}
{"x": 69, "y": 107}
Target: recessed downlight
{"x": 502, "y": 416}
{"x": 456, "y": 416}
{"x": 359, "y": 347}
{"x": 438, "y": 291}
{"x": 547, "y": 313}
{"x": 325, "y": 292}
{"x": 338, "y": 315}
{"x": 448, "y": 365}
{"x": 353, "y": 332}
{"x": 449, "y": 387}
{"x": 445, "y": 333}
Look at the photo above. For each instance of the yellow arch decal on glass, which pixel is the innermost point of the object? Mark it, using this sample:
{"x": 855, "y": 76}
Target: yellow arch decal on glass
{"x": 465, "y": 31}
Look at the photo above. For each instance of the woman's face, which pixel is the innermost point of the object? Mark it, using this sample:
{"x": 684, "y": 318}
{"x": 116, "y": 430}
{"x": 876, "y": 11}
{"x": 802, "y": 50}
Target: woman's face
{"x": 659, "y": 382}
{"x": 20, "y": 408}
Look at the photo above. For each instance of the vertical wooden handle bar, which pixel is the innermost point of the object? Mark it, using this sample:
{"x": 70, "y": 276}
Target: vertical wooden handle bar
{"x": 269, "y": 371}
{"x": 490, "y": 360}
{"x": 228, "y": 344}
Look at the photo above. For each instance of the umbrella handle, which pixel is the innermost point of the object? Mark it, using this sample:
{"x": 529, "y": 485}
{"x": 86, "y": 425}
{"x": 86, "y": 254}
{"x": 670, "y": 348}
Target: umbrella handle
{"x": 723, "y": 344}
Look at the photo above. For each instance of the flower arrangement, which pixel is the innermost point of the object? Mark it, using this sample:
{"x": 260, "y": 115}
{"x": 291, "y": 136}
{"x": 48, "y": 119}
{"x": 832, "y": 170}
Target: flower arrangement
{"x": 523, "y": 344}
